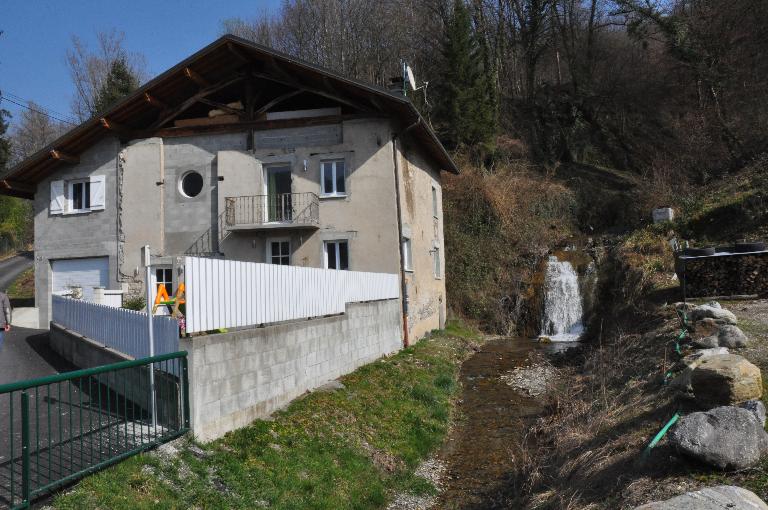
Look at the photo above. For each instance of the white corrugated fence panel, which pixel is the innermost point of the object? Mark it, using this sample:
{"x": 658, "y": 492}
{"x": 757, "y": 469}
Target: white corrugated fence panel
{"x": 230, "y": 294}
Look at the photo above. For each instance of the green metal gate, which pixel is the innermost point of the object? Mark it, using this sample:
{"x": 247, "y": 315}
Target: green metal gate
{"x": 56, "y": 429}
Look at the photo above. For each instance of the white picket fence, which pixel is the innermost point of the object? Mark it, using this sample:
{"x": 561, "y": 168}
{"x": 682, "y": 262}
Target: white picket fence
{"x": 228, "y": 294}
{"x": 121, "y": 329}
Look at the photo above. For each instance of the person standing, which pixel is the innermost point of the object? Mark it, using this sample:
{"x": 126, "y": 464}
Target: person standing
{"x": 5, "y": 317}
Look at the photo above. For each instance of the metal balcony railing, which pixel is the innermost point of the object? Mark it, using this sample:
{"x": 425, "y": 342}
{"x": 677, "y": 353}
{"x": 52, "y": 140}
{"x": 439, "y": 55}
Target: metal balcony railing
{"x": 301, "y": 209}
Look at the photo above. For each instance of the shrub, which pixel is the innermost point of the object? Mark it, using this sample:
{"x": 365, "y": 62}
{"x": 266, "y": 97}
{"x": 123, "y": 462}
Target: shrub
{"x": 137, "y": 303}
{"x": 498, "y": 226}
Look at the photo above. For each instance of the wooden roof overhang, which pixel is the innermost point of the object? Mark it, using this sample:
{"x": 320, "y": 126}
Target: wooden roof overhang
{"x": 229, "y": 62}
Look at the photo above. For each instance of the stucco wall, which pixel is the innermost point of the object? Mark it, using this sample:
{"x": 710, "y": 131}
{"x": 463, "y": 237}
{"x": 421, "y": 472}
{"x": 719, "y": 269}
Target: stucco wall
{"x": 63, "y": 236}
{"x": 141, "y": 172}
{"x": 366, "y": 217}
{"x": 187, "y": 218}
{"x": 426, "y": 292}
{"x": 238, "y": 377}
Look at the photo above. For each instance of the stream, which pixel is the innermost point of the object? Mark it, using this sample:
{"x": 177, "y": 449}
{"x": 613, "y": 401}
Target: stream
{"x": 493, "y": 417}
{"x": 503, "y": 390}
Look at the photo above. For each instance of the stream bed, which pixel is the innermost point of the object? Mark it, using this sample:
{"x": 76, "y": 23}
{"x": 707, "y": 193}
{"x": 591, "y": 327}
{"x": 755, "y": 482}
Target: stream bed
{"x": 493, "y": 417}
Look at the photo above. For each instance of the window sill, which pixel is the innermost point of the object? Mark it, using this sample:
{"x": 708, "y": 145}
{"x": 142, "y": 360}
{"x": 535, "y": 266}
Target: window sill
{"x": 332, "y": 195}
{"x": 80, "y": 211}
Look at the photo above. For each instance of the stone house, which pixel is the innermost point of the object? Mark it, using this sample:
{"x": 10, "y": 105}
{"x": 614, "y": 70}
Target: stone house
{"x": 244, "y": 153}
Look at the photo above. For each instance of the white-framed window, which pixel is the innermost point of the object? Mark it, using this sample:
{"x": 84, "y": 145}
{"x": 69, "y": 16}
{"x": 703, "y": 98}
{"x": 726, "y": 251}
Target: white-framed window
{"x": 435, "y": 208}
{"x": 80, "y": 195}
{"x": 407, "y": 254}
{"x": 333, "y": 178}
{"x": 436, "y": 259}
{"x": 77, "y": 195}
{"x": 164, "y": 275}
{"x": 336, "y": 254}
{"x": 279, "y": 251}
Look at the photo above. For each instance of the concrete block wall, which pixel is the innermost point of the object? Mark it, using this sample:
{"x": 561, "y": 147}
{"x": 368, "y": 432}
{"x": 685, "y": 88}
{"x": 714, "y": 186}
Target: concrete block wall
{"x": 241, "y": 376}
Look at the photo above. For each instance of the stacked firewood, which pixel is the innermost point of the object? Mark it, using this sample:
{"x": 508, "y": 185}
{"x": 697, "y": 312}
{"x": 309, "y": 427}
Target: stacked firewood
{"x": 728, "y": 275}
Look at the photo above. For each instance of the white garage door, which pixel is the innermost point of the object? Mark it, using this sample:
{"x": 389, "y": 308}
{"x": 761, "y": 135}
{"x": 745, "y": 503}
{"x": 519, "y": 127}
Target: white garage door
{"x": 86, "y": 273}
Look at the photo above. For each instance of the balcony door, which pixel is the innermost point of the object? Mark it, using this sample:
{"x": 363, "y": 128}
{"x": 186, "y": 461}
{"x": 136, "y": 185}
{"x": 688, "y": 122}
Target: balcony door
{"x": 278, "y": 184}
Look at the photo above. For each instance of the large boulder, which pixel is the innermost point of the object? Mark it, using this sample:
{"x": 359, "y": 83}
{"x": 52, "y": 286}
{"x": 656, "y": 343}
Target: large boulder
{"x": 729, "y": 438}
{"x": 732, "y": 337}
{"x": 712, "y": 498}
{"x": 757, "y": 408}
{"x": 708, "y": 311}
{"x": 694, "y": 359}
{"x": 686, "y": 366}
{"x": 726, "y": 379}
{"x": 704, "y": 333}
{"x": 707, "y": 333}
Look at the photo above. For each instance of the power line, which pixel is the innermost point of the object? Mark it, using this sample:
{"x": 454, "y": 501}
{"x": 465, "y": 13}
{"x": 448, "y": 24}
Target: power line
{"x": 41, "y": 112}
{"x": 50, "y": 111}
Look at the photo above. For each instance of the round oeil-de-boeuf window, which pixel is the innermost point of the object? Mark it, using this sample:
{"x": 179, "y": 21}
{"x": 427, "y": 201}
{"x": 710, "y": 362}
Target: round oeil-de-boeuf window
{"x": 191, "y": 184}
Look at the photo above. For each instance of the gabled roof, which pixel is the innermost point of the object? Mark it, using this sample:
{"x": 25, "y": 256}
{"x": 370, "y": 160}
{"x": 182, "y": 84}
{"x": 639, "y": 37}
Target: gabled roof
{"x": 225, "y": 62}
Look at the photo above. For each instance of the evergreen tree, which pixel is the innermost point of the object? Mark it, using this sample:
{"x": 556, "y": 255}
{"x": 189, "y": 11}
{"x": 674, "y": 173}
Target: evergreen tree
{"x": 465, "y": 115}
{"x": 119, "y": 83}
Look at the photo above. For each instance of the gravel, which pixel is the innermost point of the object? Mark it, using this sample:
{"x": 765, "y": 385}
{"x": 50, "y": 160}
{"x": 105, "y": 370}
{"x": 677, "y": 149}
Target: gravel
{"x": 432, "y": 470}
{"x": 532, "y": 380}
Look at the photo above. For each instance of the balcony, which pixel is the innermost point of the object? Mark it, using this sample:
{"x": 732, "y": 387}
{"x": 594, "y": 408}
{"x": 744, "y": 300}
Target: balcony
{"x": 272, "y": 212}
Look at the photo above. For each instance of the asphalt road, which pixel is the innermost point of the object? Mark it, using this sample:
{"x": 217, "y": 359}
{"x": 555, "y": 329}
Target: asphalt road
{"x": 11, "y": 268}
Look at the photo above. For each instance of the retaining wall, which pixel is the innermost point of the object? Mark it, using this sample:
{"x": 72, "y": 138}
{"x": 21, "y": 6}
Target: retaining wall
{"x": 241, "y": 376}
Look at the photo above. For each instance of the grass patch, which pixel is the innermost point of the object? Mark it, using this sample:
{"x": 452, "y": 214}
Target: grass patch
{"x": 24, "y": 286}
{"x": 350, "y": 448}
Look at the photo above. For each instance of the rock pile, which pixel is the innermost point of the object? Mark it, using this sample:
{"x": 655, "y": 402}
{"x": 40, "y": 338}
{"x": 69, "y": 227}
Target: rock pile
{"x": 729, "y": 433}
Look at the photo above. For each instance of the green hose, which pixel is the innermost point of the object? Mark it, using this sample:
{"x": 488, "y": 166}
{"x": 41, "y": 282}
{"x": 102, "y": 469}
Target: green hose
{"x": 662, "y": 433}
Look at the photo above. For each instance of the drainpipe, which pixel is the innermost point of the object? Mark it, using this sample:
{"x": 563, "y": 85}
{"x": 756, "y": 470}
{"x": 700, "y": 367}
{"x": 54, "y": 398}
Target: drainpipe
{"x": 403, "y": 284}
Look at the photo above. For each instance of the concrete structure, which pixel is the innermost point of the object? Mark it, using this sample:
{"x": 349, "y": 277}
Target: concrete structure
{"x": 238, "y": 377}
{"x": 305, "y": 167}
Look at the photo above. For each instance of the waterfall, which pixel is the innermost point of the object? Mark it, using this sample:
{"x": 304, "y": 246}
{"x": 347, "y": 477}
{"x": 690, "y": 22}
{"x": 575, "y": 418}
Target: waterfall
{"x": 563, "y": 311}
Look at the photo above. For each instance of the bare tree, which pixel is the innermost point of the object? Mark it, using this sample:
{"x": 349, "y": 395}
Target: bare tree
{"x": 32, "y": 132}
{"x": 89, "y": 69}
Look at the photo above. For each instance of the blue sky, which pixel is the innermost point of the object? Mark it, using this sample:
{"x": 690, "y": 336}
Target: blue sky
{"x": 37, "y": 33}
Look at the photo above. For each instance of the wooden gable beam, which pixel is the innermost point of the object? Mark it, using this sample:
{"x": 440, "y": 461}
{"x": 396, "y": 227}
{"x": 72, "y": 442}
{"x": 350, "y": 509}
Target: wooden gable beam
{"x": 155, "y": 101}
{"x": 179, "y": 109}
{"x": 122, "y": 130}
{"x": 312, "y": 90}
{"x": 64, "y": 157}
{"x": 222, "y": 106}
{"x": 18, "y": 186}
{"x": 196, "y": 77}
{"x": 237, "y": 52}
{"x": 278, "y": 100}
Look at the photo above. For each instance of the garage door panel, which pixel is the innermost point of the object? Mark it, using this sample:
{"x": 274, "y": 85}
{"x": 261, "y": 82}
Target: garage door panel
{"x": 86, "y": 273}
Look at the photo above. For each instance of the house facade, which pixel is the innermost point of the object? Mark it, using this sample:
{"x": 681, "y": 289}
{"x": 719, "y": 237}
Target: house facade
{"x": 247, "y": 154}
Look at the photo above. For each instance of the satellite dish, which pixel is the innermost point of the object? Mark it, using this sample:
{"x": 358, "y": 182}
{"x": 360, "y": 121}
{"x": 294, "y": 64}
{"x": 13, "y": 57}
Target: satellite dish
{"x": 411, "y": 79}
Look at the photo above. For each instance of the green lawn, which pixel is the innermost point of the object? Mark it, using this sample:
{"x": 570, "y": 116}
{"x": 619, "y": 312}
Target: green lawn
{"x": 350, "y": 448}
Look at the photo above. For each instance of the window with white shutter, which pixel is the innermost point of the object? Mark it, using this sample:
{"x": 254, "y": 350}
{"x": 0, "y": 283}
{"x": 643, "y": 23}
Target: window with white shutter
{"x": 97, "y": 193}
{"x": 83, "y": 195}
{"x": 58, "y": 201}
